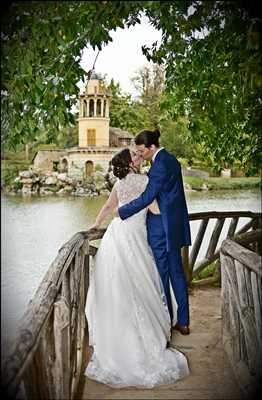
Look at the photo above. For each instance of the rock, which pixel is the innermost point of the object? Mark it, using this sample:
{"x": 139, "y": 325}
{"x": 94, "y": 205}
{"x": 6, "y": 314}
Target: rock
{"x": 26, "y": 190}
{"x": 44, "y": 191}
{"x": 225, "y": 173}
{"x": 204, "y": 187}
{"x": 62, "y": 177}
{"x": 61, "y": 191}
{"x": 26, "y": 174}
{"x": 51, "y": 180}
{"x": 105, "y": 192}
{"x": 68, "y": 189}
{"x": 187, "y": 187}
{"x": 80, "y": 191}
{"x": 27, "y": 181}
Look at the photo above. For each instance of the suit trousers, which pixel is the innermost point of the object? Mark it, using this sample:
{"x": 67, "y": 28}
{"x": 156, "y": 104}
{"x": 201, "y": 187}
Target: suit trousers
{"x": 170, "y": 267}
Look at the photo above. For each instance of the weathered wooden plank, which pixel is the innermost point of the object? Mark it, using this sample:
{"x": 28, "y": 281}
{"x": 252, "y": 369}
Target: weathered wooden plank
{"x": 246, "y": 317}
{"x": 66, "y": 288}
{"x": 256, "y": 283}
{"x": 245, "y": 380}
{"x": 36, "y": 382}
{"x": 197, "y": 243}
{"x": 27, "y": 338}
{"x": 234, "y": 322}
{"x": 244, "y": 256}
{"x": 80, "y": 324}
{"x": 246, "y": 227}
{"x": 232, "y": 227}
{"x": 62, "y": 365}
{"x": 214, "y": 238}
{"x": 244, "y": 302}
{"x": 223, "y": 214}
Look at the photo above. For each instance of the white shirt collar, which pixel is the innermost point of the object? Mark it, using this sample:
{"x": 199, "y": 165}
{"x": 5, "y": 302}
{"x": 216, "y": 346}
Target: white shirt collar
{"x": 154, "y": 156}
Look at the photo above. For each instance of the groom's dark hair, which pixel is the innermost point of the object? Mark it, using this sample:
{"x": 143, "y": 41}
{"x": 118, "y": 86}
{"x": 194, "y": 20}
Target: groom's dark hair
{"x": 148, "y": 138}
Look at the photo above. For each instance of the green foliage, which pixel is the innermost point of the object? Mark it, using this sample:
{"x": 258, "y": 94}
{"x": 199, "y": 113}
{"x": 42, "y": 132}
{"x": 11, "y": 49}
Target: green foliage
{"x": 125, "y": 113}
{"x": 175, "y": 137}
{"x": 42, "y": 43}
{"x": 11, "y": 168}
{"x": 99, "y": 167}
{"x": 212, "y": 53}
{"x": 206, "y": 272}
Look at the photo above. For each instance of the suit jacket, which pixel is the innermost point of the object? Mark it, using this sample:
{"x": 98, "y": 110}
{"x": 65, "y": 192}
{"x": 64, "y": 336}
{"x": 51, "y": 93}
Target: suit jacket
{"x": 166, "y": 186}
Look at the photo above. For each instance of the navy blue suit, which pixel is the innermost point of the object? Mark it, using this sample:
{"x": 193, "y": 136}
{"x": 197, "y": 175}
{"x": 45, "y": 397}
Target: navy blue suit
{"x": 168, "y": 231}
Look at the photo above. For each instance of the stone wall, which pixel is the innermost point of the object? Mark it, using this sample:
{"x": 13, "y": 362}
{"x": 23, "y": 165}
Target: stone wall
{"x": 44, "y": 159}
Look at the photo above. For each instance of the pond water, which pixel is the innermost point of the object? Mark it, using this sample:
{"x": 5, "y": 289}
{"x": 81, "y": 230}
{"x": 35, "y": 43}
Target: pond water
{"x": 34, "y": 228}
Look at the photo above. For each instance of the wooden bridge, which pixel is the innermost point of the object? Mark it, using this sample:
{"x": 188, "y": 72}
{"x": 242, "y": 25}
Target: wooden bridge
{"x": 50, "y": 352}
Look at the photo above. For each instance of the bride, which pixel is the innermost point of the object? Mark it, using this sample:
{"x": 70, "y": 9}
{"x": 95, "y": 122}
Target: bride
{"x": 128, "y": 319}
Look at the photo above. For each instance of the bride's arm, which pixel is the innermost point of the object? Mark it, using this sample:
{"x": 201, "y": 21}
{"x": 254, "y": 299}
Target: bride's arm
{"x": 107, "y": 208}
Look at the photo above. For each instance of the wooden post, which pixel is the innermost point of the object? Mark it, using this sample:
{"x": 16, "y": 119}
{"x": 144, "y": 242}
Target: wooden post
{"x": 197, "y": 243}
{"x": 214, "y": 238}
{"x": 62, "y": 364}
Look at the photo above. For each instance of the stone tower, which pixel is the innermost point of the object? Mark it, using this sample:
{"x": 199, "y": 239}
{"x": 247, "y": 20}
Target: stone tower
{"x": 93, "y": 130}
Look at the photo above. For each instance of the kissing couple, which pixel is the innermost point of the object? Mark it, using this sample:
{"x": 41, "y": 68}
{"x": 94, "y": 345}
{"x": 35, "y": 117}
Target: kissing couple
{"x": 138, "y": 290}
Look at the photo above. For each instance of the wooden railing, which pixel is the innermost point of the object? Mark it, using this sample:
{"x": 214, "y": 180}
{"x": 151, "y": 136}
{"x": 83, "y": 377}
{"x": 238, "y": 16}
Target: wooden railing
{"x": 49, "y": 352}
{"x": 192, "y": 268}
{"x": 50, "y": 349}
{"x": 242, "y": 308}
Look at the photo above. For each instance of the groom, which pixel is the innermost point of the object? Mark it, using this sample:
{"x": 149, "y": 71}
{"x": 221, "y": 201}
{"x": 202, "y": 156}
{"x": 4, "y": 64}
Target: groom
{"x": 168, "y": 231}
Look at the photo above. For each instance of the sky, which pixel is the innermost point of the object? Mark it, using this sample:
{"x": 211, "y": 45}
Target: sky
{"x": 122, "y": 57}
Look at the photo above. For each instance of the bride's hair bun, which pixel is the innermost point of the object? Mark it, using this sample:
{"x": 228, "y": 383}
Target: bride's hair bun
{"x": 121, "y": 163}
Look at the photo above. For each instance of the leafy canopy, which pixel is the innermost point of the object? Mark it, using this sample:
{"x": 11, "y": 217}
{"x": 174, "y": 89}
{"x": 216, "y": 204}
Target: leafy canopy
{"x": 211, "y": 52}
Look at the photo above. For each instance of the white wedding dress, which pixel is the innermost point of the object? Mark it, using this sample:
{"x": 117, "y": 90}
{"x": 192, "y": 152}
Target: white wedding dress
{"x": 128, "y": 319}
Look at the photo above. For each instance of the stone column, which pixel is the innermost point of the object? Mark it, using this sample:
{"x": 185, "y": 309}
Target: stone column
{"x": 87, "y": 107}
{"x": 95, "y": 100}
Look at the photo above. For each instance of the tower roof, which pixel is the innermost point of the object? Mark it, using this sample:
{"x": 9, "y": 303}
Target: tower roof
{"x": 95, "y": 75}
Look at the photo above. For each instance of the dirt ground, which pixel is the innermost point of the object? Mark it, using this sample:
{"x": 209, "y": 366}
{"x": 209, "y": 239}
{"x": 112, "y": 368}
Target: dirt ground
{"x": 211, "y": 374}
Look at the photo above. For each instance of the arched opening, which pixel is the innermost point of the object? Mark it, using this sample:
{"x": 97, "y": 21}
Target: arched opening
{"x": 64, "y": 165}
{"x": 84, "y": 108}
{"x": 104, "y": 110}
{"x": 98, "y": 107}
{"x": 91, "y": 108}
{"x": 89, "y": 168}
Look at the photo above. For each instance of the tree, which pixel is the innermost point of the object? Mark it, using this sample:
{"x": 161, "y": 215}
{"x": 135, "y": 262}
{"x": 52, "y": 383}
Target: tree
{"x": 125, "y": 113}
{"x": 150, "y": 83}
{"x": 42, "y": 43}
{"x": 212, "y": 53}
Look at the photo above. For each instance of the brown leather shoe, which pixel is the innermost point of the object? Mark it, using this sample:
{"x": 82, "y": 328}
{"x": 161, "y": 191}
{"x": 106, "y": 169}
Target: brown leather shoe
{"x": 183, "y": 329}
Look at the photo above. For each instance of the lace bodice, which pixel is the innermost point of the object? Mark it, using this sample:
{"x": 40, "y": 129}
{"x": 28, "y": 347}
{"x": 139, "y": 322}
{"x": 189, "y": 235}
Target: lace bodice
{"x": 130, "y": 187}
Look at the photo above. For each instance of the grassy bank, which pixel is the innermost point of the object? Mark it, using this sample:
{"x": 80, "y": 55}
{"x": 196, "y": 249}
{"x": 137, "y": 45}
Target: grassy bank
{"x": 11, "y": 168}
{"x": 223, "y": 183}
